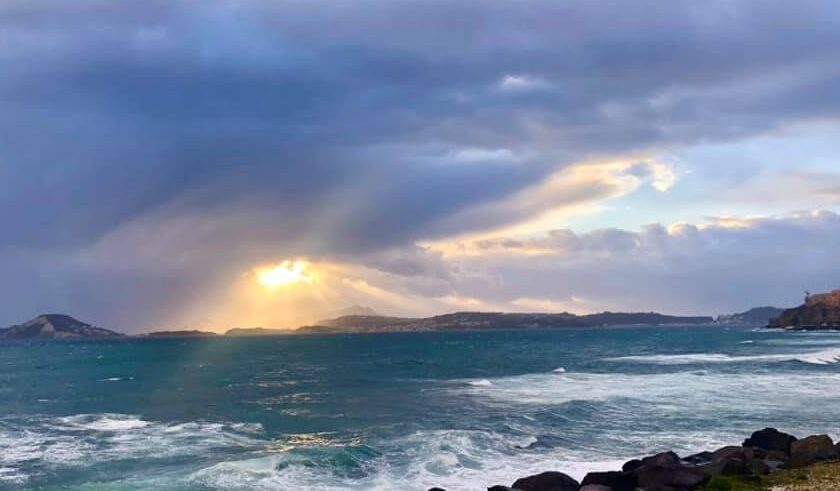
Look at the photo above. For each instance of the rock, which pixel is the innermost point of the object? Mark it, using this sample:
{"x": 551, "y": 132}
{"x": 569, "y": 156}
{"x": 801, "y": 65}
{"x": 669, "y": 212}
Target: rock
{"x": 615, "y": 480}
{"x": 728, "y": 461}
{"x": 664, "y": 477}
{"x": 436, "y": 489}
{"x": 770, "y": 439}
{"x": 631, "y": 465}
{"x": 699, "y": 458}
{"x": 811, "y": 449}
{"x": 743, "y": 461}
{"x": 664, "y": 458}
{"x": 756, "y": 467}
{"x": 547, "y": 481}
{"x": 596, "y": 487}
{"x": 501, "y": 488}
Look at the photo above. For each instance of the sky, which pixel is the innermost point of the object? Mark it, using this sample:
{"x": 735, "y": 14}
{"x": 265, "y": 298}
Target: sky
{"x": 172, "y": 164}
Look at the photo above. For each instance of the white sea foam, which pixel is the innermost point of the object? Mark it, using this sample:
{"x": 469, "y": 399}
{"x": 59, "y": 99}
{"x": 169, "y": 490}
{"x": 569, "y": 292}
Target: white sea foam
{"x": 84, "y": 439}
{"x": 480, "y": 383}
{"x": 457, "y": 460}
{"x": 10, "y": 475}
{"x": 675, "y": 393}
{"x": 103, "y": 422}
{"x": 559, "y": 370}
{"x": 822, "y": 357}
{"x": 453, "y": 459}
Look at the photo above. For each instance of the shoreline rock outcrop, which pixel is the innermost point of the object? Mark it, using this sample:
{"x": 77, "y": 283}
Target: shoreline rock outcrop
{"x": 820, "y": 311}
{"x": 765, "y": 452}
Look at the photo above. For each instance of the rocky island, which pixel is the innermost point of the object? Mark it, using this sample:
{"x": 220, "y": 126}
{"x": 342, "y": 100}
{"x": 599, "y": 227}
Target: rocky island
{"x": 56, "y": 326}
{"x": 769, "y": 460}
{"x": 820, "y": 311}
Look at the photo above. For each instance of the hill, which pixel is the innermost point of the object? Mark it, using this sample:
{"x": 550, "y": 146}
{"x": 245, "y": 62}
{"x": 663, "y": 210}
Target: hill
{"x": 255, "y": 332}
{"x": 356, "y": 310}
{"x": 756, "y": 315}
{"x": 191, "y": 333}
{"x": 497, "y": 320}
{"x": 821, "y": 311}
{"x": 56, "y": 326}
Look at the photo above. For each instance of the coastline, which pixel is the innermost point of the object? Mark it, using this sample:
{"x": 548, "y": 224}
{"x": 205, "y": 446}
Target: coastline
{"x": 769, "y": 460}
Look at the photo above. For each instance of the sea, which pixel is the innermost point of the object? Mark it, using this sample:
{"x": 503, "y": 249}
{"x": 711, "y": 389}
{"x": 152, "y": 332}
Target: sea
{"x": 399, "y": 411}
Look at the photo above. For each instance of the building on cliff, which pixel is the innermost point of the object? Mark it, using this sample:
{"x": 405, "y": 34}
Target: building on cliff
{"x": 820, "y": 311}
{"x": 831, "y": 299}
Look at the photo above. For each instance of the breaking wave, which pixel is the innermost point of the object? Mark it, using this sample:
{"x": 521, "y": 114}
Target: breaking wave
{"x": 41, "y": 443}
{"x": 823, "y": 357}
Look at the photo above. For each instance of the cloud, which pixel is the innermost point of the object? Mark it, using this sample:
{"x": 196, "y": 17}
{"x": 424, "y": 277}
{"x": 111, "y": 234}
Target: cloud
{"x": 151, "y": 147}
{"x": 726, "y": 264}
{"x": 517, "y": 83}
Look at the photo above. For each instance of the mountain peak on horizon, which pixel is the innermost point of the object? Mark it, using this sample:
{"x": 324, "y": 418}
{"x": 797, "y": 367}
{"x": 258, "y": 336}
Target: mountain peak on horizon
{"x": 356, "y": 309}
{"x": 55, "y": 326}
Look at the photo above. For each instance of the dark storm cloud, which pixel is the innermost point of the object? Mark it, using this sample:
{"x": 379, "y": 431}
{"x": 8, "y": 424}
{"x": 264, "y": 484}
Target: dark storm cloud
{"x": 333, "y": 127}
{"x": 114, "y": 109}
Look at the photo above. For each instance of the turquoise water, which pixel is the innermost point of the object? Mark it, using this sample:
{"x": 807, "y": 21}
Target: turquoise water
{"x": 461, "y": 410}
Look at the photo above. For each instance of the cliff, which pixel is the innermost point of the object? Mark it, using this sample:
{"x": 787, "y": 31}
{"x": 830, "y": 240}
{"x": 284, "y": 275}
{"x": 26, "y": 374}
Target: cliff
{"x": 818, "y": 312}
{"x": 56, "y": 326}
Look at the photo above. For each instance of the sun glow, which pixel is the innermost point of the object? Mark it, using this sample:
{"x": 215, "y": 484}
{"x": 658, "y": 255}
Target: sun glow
{"x": 283, "y": 274}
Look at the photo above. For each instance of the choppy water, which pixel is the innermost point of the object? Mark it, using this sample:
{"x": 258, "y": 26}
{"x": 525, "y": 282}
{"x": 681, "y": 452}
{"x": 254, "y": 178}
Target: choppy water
{"x": 398, "y": 411}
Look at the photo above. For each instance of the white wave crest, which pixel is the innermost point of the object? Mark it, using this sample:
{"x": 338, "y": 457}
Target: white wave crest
{"x": 799, "y": 392}
{"x": 457, "y": 460}
{"x": 87, "y": 439}
{"x": 822, "y": 357}
{"x": 480, "y": 383}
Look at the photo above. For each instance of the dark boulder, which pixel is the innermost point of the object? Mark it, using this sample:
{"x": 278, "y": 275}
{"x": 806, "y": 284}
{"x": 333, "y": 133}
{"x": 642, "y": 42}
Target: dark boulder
{"x": 811, "y": 449}
{"x": 770, "y": 439}
{"x": 699, "y": 458}
{"x": 547, "y": 481}
{"x": 631, "y": 465}
{"x": 676, "y": 476}
{"x": 743, "y": 461}
{"x": 729, "y": 461}
{"x": 436, "y": 489}
{"x": 664, "y": 458}
{"x": 596, "y": 487}
{"x": 662, "y": 472}
{"x": 615, "y": 480}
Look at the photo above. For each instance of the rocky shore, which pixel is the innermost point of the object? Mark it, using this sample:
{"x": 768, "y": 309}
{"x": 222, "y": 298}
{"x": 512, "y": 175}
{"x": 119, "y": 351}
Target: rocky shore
{"x": 818, "y": 312}
{"x": 767, "y": 460}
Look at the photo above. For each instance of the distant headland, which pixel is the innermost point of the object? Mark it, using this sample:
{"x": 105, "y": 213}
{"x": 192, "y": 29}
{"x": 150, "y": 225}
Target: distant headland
{"x": 820, "y": 311}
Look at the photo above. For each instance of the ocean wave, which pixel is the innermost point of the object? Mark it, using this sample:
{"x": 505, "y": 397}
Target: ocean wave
{"x": 480, "y": 383}
{"x": 823, "y": 357}
{"x": 671, "y": 393}
{"x": 40, "y": 443}
{"x": 453, "y": 459}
